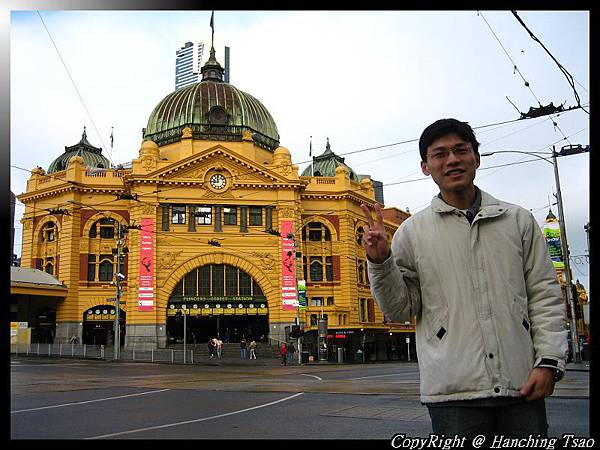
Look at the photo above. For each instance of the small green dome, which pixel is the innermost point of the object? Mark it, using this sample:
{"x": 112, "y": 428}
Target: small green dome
{"x": 214, "y": 110}
{"x": 325, "y": 164}
{"x": 92, "y": 156}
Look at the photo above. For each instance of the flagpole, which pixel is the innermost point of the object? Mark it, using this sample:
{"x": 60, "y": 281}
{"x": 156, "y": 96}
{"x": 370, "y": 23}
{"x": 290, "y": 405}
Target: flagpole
{"x": 312, "y": 164}
{"x": 212, "y": 26}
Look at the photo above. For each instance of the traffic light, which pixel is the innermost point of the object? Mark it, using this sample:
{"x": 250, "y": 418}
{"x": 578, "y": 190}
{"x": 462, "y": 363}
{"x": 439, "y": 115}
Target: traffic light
{"x": 296, "y": 332}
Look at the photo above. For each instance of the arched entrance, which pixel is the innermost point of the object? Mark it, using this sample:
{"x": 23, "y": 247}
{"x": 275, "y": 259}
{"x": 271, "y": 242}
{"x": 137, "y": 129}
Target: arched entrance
{"x": 218, "y": 300}
{"x": 99, "y": 325}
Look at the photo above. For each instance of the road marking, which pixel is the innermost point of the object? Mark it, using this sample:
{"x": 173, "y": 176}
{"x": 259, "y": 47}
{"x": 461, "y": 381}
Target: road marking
{"x": 308, "y": 375}
{"x": 195, "y": 420}
{"x": 88, "y": 401}
{"x": 376, "y": 376}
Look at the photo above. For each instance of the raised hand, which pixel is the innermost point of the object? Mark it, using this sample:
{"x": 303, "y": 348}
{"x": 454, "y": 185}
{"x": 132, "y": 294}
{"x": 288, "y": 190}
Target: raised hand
{"x": 375, "y": 237}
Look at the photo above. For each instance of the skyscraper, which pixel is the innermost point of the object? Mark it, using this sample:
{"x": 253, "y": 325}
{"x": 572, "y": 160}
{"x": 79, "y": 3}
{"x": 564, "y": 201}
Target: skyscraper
{"x": 226, "y": 73}
{"x": 187, "y": 64}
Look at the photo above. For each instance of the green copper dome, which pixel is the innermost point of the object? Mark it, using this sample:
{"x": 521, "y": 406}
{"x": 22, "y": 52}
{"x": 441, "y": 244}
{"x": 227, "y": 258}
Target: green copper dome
{"x": 325, "y": 164}
{"x": 214, "y": 110}
{"x": 92, "y": 156}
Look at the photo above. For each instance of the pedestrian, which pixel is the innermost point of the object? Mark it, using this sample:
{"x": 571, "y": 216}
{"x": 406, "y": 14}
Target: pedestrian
{"x": 291, "y": 351}
{"x": 476, "y": 273}
{"x": 243, "y": 349}
{"x": 211, "y": 348}
{"x": 252, "y": 347}
{"x": 219, "y": 347}
{"x": 283, "y": 352}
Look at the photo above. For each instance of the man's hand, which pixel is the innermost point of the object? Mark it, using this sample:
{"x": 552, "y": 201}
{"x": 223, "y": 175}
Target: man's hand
{"x": 540, "y": 384}
{"x": 375, "y": 237}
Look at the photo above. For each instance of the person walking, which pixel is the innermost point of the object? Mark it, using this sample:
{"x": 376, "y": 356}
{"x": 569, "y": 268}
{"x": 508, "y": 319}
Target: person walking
{"x": 252, "y": 347}
{"x": 476, "y": 273}
{"x": 243, "y": 349}
{"x": 211, "y": 348}
{"x": 291, "y": 352}
{"x": 219, "y": 347}
{"x": 283, "y": 352}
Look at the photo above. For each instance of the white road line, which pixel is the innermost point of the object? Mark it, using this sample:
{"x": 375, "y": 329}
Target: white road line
{"x": 195, "y": 420}
{"x": 308, "y": 375}
{"x": 376, "y": 376}
{"x": 88, "y": 401}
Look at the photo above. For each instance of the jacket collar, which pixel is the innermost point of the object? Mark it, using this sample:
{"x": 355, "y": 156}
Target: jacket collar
{"x": 490, "y": 206}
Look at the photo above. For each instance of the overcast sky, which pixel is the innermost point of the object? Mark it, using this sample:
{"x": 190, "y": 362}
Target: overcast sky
{"x": 364, "y": 79}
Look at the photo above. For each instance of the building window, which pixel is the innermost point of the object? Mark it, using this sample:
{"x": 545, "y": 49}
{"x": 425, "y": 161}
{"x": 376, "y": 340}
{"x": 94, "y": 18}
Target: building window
{"x": 329, "y": 301}
{"x": 204, "y": 214}
{"x": 360, "y": 232}
{"x": 105, "y": 268}
{"x": 329, "y": 268}
{"x": 316, "y": 301}
{"x": 316, "y": 268}
{"x": 255, "y": 216}
{"x": 107, "y": 228}
{"x": 49, "y": 267}
{"x": 204, "y": 280}
{"x": 360, "y": 271}
{"x": 362, "y": 310}
{"x": 231, "y": 281}
{"x": 218, "y": 279}
{"x": 245, "y": 283}
{"x": 230, "y": 216}
{"x": 371, "y": 310}
{"x": 49, "y": 233}
{"x": 91, "y": 276}
{"x": 317, "y": 232}
{"x": 304, "y": 268}
{"x": 314, "y": 321}
{"x": 178, "y": 215}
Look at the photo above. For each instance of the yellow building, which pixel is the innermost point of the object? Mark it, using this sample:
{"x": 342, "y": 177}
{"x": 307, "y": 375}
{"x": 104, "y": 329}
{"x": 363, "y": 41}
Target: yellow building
{"x": 212, "y": 221}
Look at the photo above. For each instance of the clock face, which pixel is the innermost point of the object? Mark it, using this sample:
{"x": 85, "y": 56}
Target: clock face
{"x": 218, "y": 181}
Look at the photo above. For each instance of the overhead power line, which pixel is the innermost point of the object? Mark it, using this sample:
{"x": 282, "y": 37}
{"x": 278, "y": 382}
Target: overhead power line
{"x": 564, "y": 71}
{"x": 76, "y": 90}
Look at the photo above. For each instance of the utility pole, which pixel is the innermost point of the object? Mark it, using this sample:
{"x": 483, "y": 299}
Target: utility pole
{"x": 117, "y": 331}
{"x": 565, "y": 253}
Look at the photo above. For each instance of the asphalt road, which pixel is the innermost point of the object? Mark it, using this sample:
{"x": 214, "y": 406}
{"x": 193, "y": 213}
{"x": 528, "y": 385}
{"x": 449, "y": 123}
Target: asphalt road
{"x": 77, "y": 399}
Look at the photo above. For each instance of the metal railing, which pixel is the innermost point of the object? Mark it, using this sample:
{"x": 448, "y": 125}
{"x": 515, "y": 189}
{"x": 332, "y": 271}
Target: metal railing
{"x": 83, "y": 351}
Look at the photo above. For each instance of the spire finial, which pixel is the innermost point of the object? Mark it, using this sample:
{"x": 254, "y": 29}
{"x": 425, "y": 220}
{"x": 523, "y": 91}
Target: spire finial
{"x": 84, "y": 135}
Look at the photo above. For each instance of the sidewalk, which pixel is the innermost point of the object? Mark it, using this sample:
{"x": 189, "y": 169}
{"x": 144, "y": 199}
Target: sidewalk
{"x": 583, "y": 366}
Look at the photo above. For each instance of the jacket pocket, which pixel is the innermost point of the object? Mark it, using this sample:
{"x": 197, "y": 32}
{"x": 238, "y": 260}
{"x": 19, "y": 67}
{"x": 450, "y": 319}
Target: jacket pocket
{"x": 437, "y": 328}
{"x": 521, "y": 315}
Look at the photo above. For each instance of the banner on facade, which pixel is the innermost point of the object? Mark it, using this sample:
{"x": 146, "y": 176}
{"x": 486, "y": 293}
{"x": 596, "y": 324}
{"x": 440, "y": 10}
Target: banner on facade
{"x": 302, "y": 303}
{"x": 146, "y": 286}
{"x": 289, "y": 300}
{"x": 552, "y": 234}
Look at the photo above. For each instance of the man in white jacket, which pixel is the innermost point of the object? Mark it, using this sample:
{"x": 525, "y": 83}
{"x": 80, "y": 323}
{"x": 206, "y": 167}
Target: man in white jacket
{"x": 476, "y": 273}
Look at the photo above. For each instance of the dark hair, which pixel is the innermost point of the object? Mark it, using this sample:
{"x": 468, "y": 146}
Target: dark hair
{"x": 443, "y": 127}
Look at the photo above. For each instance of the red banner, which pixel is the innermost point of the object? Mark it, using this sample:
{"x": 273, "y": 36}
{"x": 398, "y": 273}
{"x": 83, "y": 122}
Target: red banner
{"x": 146, "y": 289}
{"x": 289, "y": 299}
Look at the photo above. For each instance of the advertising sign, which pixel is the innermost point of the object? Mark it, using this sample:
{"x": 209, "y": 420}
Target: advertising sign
{"x": 289, "y": 300}
{"x": 146, "y": 289}
{"x": 552, "y": 234}
{"x": 302, "y": 303}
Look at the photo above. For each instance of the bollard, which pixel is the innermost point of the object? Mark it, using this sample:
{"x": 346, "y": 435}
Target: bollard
{"x": 72, "y": 349}
{"x": 28, "y": 345}
{"x": 152, "y": 354}
{"x": 172, "y": 357}
{"x": 134, "y": 353}
{"x": 38, "y": 349}
{"x": 49, "y": 350}
{"x": 60, "y": 349}
{"x": 84, "y": 351}
{"x": 192, "y": 354}
{"x": 102, "y": 351}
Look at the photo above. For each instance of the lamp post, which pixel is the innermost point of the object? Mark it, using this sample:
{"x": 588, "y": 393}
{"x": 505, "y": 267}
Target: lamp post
{"x": 565, "y": 151}
{"x": 117, "y": 331}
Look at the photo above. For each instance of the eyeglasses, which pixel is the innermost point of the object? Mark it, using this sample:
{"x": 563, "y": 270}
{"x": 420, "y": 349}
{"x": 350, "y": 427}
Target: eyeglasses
{"x": 441, "y": 153}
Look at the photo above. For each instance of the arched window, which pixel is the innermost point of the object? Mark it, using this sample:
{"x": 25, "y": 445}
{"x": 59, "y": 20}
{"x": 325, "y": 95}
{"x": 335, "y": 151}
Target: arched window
{"x": 316, "y": 232}
{"x": 104, "y": 227}
{"x": 316, "y": 268}
{"x": 360, "y": 232}
{"x": 105, "y": 268}
{"x": 49, "y": 232}
{"x": 49, "y": 266}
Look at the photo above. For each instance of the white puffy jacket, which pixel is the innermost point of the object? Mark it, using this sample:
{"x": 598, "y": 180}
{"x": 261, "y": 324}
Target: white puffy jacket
{"x": 485, "y": 295}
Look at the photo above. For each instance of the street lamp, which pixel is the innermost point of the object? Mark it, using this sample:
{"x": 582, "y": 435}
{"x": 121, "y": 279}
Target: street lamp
{"x": 565, "y": 151}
